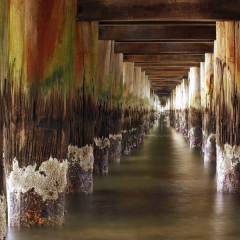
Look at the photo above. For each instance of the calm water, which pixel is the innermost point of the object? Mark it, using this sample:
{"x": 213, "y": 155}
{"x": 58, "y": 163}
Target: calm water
{"x": 163, "y": 190}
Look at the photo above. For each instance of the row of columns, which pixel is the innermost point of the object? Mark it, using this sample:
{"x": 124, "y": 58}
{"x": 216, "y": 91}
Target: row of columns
{"x": 210, "y": 99}
{"x": 69, "y": 105}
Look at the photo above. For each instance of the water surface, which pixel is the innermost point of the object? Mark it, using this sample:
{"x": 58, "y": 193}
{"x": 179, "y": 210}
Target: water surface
{"x": 162, "y": 190}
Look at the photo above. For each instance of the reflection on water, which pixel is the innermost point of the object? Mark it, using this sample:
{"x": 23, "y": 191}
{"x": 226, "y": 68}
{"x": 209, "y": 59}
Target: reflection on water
{"x": 163, "y": 190}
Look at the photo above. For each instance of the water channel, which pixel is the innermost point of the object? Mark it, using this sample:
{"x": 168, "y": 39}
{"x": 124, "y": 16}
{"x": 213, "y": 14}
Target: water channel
{"x": 162, "y": 190}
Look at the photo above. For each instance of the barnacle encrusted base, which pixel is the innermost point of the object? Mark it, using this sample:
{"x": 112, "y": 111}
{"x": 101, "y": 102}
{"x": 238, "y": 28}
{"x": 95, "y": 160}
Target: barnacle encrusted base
{"x": 210, "y": 149}
{"x": 36, "y": 197}
{"x": 3, "y": 222}
{"x": 102, "y": 142}
{"x": 48, "y": 181}
{"x": 195, "y": 137}
{"x": 115, "y": 150}
{"x": 228, "y": 168}
{"x": 100, "y": 165}
{"x": 80, "y": 169}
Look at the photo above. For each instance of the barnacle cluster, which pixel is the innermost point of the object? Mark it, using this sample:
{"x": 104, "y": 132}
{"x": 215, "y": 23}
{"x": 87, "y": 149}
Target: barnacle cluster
{"x": 83, "y": 156}
{"x": 102, "y": 142}
{"x": 48, "y": 181}
{"x": 115, "y": 136}
{"x": 3, "y": 224}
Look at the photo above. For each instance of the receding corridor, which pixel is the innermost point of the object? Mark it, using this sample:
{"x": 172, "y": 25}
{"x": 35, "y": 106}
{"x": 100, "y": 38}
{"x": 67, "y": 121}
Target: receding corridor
{"x": 162, "y": 190}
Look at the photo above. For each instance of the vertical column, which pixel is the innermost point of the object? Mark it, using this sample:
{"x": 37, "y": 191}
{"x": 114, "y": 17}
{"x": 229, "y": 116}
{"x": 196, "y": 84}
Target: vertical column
{"x": 104, "y": 100}
{"x": 41, "y": 42}
{"x": 80, "y": 150}
{"x": 115, "y": 136}
{"x": 195, "y": 134}
{"x": 185, "y": 85}
{"x": 128, "y": 71}
{"x": 208, "y": 108}
{"x": 3, "y": 76}
{"x": 227, "y": 106}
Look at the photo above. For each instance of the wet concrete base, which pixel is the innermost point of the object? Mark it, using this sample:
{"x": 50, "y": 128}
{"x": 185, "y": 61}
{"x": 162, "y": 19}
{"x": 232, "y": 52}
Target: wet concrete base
{"x": 79, "y": 180}
{"x": 30, "y": 210}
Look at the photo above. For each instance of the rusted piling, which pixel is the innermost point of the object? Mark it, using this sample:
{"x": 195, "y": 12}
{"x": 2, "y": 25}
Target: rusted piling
{"x": 195, "y": 116}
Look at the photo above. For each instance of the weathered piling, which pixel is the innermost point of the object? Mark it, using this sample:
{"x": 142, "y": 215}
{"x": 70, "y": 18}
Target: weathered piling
{"x": 208, "y": 110}
{"x": 104, "y": 101}
{"x": 37, "y": 97}
{"x": 128, "y": 71}
{"x": 195, "y": 117}
{"x": 115, "y": 136}
{"x": 227, "y": 84}
{"x": 82, "y": 122}
{"x": 3, "y": 76}
{"x": 185, "y": 104}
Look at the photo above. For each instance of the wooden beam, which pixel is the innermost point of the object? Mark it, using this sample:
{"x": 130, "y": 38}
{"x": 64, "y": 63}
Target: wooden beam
{"x": 180, "y": 73}
{"x": 124, "y": 10}
{"x": 165, "y": 65}
{"x": 163, "y": 47}
{"x": 164, "y": 68}
{"x": 176, "y": 58}
{"x": 157, "y": 32}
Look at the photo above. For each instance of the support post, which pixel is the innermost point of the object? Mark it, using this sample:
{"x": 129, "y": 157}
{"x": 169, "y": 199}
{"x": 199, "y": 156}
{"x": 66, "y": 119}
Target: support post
{"x": 195, "y": 134}
{"x": 208, "y": 111}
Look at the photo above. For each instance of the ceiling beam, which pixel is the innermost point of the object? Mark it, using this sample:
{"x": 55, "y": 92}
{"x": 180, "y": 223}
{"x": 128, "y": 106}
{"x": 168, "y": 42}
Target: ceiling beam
{"x": 161, "y": 65}
{"x": 168, "y": 10}
{"x": 179, "y": 73}
{"x": 163, "y": 47}
{"x": 176, "y": 58}
{"x": 157, "y": 32}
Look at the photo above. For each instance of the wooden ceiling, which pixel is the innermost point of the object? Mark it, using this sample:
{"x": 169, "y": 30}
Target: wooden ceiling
{"x": 163, "y": 37}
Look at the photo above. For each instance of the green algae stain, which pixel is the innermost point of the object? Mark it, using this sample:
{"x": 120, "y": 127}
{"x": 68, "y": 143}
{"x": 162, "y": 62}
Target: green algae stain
{"x": 16, "y": 63}
{"x": 3, "y": 40}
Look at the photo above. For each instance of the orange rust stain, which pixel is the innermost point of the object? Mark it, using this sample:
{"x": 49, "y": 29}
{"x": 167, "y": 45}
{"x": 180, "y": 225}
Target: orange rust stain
{"x": 47, "y": 29}
{"x": 8, "y": 6}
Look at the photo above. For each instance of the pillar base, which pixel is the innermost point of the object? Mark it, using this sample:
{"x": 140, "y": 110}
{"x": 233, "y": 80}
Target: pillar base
{"x": 37, "y": 197}
{"x": 80, "y": 170}
{"x": 210, "y": 149}
{"x": 126, "y": 142}
{"x": 30, "y": 210}
{"x": 100, "y": 165}
{"x": 195, "y": 137}
{"x": 3, "y": 218}
{"x": 79, "y": 180}
{"x": 115, "y": 150}
{"x": 228, "y": 168}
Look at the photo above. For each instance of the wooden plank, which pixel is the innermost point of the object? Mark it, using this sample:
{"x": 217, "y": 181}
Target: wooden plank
{"x": 163, "y": 47}
{"x": 157, "y": 32}
{"x": 168, "y": 10}
{"x": 174, "y": 58}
